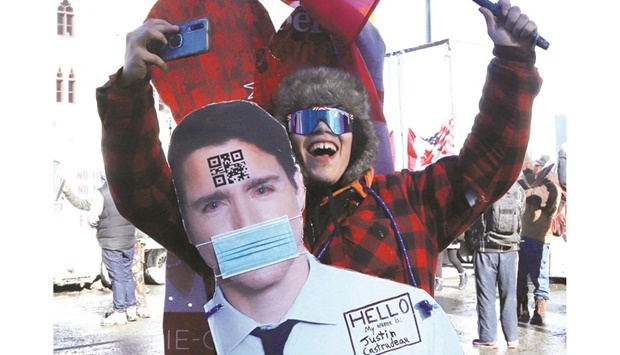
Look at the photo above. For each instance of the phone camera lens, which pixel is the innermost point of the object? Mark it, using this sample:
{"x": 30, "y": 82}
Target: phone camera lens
{"x": 175, "y": 41}
{"x": 196, "y": 26}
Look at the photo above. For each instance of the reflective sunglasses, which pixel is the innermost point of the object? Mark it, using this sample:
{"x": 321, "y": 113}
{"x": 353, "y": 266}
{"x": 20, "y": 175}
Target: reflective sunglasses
{"x": 305, "y": 121}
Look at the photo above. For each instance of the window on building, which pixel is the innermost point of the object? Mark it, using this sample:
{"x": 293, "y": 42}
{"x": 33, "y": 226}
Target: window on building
{"x": 59, "y": 82}
{"x": 71, "y": 88}
{"x": 65, "y": 19}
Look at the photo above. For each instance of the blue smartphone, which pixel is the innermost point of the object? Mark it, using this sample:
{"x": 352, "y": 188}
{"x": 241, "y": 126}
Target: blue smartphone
{"x": 192, "y": 39}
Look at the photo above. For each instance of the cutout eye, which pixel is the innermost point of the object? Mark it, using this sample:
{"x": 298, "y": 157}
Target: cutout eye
{"x": 264, "y": 190}
{"x": 211, "y": 206}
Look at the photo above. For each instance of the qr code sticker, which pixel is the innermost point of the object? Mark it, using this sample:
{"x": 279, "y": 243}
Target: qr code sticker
{"x": 228, "y": 168}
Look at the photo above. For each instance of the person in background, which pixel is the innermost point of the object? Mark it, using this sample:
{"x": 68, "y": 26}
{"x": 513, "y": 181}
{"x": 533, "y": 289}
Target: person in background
{"x": 542, "y": 204}
{"x": 561, "y": 219}
{"x": 562, "y": 166}
{"x": 137, "y": 269}
{"x": 117, "y": 239}
{"x": 531, "y": 170}
{"x": 451, "y": 252}
{"x": 242, "y": 199}
{"x": 495, "y": 269}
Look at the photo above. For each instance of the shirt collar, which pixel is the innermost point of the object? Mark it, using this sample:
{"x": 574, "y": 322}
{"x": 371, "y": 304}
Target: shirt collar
{"x": 233, "y": 326}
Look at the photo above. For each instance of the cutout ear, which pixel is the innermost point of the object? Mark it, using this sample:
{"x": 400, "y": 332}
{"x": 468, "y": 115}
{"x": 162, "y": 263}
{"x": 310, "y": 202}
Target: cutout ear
{"x": 301, "y": 189}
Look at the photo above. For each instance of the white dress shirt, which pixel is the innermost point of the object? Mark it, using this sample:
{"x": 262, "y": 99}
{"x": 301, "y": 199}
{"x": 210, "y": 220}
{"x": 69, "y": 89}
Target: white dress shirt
{"x": 344, "y": 312}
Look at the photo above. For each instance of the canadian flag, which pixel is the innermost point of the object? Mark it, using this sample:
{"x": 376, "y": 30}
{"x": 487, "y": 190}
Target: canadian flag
{"x": 438, "y": 145}
{"x": 412, "y": 157}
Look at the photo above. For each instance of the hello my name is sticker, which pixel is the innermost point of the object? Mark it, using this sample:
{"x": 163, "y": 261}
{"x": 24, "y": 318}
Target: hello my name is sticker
{"x": 383, "y": 326}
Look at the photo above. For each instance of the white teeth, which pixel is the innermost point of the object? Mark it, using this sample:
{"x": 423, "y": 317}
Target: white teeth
{"x": 323, "y": 145}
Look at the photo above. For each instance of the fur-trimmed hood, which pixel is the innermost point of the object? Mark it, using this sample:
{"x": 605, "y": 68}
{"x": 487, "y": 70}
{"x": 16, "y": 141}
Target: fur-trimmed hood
{"x": 332, "y": 87}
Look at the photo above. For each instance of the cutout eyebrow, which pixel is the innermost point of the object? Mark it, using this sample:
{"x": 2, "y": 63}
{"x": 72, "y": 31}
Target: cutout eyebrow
{"x": 215, "y": 196}
{"x": 248, "y": 185}
{"x": 256, "y": 182}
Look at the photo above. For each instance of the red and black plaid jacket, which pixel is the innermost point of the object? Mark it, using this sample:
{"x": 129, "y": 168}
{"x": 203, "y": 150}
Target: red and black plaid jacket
{"x": 431, "y": 207}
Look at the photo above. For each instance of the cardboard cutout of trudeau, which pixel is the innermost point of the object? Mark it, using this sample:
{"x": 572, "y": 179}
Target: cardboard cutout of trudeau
{"x": 246, "y": 60}
{"x": 242, "y": 199}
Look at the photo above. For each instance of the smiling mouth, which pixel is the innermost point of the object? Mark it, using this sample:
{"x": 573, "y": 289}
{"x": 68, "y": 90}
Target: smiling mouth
{"x": 323, "y": 148}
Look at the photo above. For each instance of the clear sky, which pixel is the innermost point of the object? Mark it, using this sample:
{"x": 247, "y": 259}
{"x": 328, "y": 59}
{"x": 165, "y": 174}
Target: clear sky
{"x": 403, "y": 24}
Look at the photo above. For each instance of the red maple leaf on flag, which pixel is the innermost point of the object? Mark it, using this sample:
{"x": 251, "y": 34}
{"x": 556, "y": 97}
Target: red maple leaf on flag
{"x": 439, "y": 145}
{"x": 411, "y": 154}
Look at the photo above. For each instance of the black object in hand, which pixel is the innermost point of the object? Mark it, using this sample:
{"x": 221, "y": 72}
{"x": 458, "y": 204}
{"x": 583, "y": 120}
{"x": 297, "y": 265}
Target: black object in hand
{"x": 540, "y": 41}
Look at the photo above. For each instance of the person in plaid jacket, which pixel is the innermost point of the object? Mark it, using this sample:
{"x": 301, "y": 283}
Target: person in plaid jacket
{"x": 392, "y": 226}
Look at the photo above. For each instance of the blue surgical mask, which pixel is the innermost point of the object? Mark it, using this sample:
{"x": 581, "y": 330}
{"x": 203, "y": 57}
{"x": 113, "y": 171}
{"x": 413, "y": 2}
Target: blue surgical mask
{"x": 254, "y": 247}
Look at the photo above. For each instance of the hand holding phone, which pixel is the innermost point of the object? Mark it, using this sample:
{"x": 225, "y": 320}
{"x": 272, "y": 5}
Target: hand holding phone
{"x": 192, "y": 39}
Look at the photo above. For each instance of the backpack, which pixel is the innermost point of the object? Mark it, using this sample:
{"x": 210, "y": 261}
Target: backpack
{"x": 502, "y": 220}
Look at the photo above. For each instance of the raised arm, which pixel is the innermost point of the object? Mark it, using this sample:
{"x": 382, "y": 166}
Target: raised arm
{"x": 135, "y": 164}
{"x": 459, "y": 189}
{"x": 138, "y": 58}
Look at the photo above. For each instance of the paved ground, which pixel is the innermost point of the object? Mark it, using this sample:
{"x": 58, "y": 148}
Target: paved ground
{"x": 76, "y": 316}
{"x": 460, "y": 305}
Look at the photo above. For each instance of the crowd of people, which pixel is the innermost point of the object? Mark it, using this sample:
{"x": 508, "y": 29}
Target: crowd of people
{"x": 296, "y": 235}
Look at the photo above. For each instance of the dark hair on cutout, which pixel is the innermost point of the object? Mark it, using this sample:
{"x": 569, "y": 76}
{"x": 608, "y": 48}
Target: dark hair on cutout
{"x": 333, "y": 87}
{"x": 218, "y": 123}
